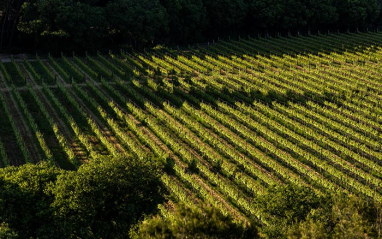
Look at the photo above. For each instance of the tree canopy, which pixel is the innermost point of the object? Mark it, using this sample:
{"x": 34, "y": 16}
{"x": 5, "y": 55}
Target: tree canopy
{"x": 296, "y": 212}
{"x": 100, "y": 200}
{"x": 199, "y": 221}
{"x": 86, "y": 24}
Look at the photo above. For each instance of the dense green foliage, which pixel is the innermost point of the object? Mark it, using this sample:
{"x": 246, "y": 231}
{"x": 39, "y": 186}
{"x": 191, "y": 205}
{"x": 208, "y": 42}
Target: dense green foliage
{"x": 296, "y": 212}
{"x": 284, "y": 206}
{"x": 100, "y": 200}
{"x": 292, "y": 14}
{"x": 104, "y": 197}
{"x": 201, "y": 221}
{"x": 6, "y": 232}
{"x": 67, "y": 24}
{"x": 25, "y": 205}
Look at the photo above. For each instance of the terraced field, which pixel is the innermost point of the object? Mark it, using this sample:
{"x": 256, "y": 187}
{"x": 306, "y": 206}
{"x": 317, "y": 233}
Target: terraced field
{"x": 226, "y": 120}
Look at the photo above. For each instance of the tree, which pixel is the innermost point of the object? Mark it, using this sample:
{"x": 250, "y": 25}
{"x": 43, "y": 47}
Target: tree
{"x": 187, "y": 19}
{"x": 63, "y": 22}
{"x": 225, "y": 15}
{"x": 285, "y": 205}
{"x": 39, "y": 19}
{"x": 297, "y": 212}
{"x": 3, "y": 5}
{"x": 277, "y": 14}
{"x": 308, "y": 229}
{"x": 85, "y": 25}
{"x": 320, "y": 14}
{"x": 6, "y": 232}
{"x": 9, "y": 16}
{"x": 24, "y": 204}
{"x": 291, "y": 14}
{"x": 357, "y": 13}
{"x": 350, "y": 218}
{"x": 204, "y": 221}
{"x": 105, "y": 197}
{"x": 100, "y": 200}
{"x": 137, "y": 21}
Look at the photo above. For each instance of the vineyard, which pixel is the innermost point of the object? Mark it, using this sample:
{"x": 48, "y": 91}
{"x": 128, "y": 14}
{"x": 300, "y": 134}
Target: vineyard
{"x": 225, "y": 120}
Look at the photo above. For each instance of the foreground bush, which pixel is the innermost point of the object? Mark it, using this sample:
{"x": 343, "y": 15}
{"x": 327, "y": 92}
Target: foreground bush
{"x": 296, "y": 212}
{"x": 100, "y": 200}
{"x": 203, "y": 221}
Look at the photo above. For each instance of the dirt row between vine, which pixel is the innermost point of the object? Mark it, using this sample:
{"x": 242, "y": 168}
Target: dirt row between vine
{"x": 25, "y": 132}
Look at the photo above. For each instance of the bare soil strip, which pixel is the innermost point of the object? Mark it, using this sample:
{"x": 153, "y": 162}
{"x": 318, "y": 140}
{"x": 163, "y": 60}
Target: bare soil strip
{"x": 25, "y": 132}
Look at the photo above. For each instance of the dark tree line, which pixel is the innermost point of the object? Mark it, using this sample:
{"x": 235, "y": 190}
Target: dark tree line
{"x": 10, "y": 14}
{"x": 96, "y": 23}
{"x": 93, "y": 22}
